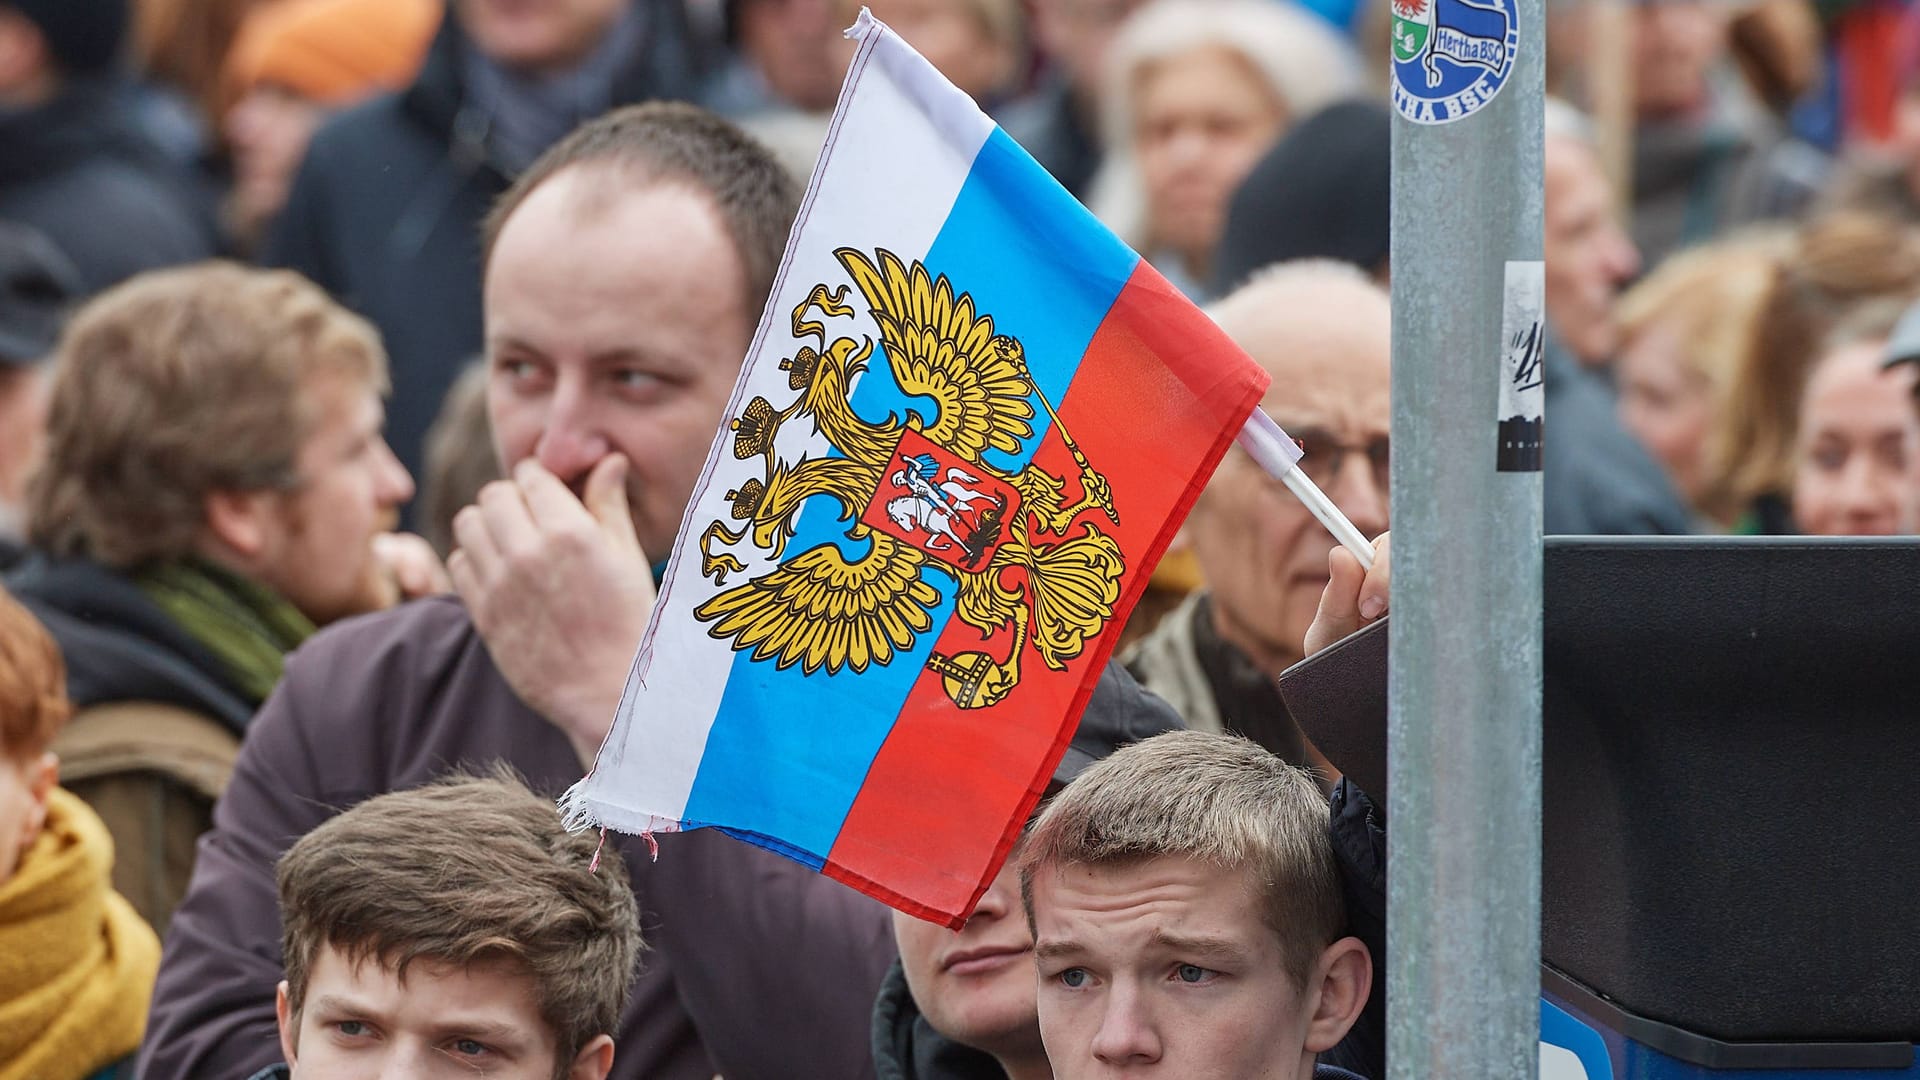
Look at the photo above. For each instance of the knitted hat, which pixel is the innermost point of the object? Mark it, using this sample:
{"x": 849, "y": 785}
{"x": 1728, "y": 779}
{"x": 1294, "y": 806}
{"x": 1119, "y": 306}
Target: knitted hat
{"x": 1322, "y": 192}
{"x": 332, "y": 52}
{"x": 84, "y": 36}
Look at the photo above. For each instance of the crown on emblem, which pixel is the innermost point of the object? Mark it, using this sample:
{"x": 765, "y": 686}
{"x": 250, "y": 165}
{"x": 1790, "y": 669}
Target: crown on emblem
{"x": 746, "y": 500}
{"x": 800, "y": 368}
{"x": 753, "y": 429}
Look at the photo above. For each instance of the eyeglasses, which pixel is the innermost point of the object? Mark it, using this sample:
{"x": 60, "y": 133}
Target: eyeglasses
{"x": 1322, "y": 455}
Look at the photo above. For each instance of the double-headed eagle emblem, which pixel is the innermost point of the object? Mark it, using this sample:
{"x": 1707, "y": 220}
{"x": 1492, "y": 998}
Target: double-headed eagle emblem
{"x": 917, "y": 496}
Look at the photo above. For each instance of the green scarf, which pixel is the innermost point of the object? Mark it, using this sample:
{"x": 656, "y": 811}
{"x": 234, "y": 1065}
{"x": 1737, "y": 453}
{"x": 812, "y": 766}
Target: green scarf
{"x": 247, "y": 626}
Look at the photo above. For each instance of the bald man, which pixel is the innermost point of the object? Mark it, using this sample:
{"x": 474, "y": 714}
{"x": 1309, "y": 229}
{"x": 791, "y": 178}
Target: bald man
{"x": 1320, "y": 328}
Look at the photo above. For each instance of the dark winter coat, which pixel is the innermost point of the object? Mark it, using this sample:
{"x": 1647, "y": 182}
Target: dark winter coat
{"x": 78, "y": 170}
{"x": 756, "y": 967}
{"x": 120, "y": 646}
{"x": 906, "y": 1047}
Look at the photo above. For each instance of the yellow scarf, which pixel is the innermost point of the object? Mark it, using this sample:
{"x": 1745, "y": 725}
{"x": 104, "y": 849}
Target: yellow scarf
{"x": 76, "y": 964}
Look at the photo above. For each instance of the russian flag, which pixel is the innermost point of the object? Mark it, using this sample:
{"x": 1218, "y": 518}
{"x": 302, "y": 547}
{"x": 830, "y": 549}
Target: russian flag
{"x": 970, "y": 423}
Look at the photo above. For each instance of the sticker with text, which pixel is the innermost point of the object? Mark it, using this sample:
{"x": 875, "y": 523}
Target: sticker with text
{"x": 1523, "y": 394}
{"x": 1451, "y": 57}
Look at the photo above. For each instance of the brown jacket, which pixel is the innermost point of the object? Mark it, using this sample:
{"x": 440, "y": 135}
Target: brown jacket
{"x": 756, "y": 967}
{"x": 152, "y": 772}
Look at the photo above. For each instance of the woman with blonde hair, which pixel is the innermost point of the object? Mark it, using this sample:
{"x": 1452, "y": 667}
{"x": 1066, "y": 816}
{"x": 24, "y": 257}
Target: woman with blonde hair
{"x": 1196, "y": 91}
{"x": 1685, "y": 329}
{"x": 1835, "y": 265}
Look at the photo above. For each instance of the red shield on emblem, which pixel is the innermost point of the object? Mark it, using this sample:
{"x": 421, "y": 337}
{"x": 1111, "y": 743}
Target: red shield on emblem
{"x": 956, "y": 511}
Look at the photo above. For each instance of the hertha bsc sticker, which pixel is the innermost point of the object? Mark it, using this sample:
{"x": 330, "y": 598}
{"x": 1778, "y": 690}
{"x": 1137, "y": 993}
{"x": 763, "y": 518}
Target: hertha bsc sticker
{"x": 1451, "y": 57}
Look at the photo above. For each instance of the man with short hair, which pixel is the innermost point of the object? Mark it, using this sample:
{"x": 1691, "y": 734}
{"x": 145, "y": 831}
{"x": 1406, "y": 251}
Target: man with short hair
{"x": 1598, "y": 478}
{"x": 1188, "y": 917}
{"x": 624, "y": 279}
{"x": 1321, "y": 329}
{"x": 214, "y": 486}
{"x": 510, "y": 958}
{"x": 382, "y": 211}
{"x": 959, "y": 1005}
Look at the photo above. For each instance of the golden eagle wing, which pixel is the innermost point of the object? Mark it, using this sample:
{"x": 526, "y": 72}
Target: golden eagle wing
{"x": 938, "y": 347}
{"x": 819, "y": 610}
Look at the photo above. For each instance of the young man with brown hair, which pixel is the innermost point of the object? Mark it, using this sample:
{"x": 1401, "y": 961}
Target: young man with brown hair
{"x": 214, "y": 485}
{"x": 1188, "y": 917}
{"x": 453, "y": 929}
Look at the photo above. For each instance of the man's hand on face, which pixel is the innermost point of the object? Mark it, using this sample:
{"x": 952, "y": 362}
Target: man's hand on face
{"x": 1354, "y": 596}
{"x": 411, "y": 564}
{"x": 560, "y": 591}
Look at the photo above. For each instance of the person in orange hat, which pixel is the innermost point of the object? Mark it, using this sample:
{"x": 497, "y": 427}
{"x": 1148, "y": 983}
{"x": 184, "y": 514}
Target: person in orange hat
{"x": 293, "y": 63}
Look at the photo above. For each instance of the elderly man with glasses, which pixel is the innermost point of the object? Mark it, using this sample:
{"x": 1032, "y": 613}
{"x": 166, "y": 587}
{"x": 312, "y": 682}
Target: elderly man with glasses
{"x": 1321, "y": 329}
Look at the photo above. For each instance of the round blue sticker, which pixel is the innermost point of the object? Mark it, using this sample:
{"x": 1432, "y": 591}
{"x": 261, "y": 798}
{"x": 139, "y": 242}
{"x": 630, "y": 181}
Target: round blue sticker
{"x": 1450, "y": 57}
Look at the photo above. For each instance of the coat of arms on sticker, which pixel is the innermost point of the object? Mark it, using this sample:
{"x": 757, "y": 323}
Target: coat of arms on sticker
{"x": 1030, "y": 567}
{"x": 1451, "y": 57}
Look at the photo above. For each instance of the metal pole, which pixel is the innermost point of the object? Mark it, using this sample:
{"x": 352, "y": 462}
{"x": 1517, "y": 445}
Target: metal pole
{"x": 1463, "y": 981}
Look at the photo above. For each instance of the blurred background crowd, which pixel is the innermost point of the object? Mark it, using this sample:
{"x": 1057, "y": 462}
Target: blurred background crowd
{"x": 1730, "y": 187}
{"x": 1731, "y": 232}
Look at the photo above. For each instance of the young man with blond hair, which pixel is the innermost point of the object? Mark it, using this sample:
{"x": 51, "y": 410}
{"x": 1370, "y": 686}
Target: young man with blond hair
{"x": 413, "y": 950}
{"x": 1188, "y": 917}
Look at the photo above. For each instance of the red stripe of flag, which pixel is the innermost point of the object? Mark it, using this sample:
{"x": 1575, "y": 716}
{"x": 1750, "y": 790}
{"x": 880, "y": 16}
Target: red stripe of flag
{"x": 1156, "y": 401}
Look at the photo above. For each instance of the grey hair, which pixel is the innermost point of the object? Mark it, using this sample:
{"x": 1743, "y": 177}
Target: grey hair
{"x": 1306, "y": 64}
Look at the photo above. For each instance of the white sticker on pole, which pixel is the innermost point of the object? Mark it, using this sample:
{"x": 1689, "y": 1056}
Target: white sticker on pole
{"x": 1523, "y": 394}
{"x": 1451, "y": 57}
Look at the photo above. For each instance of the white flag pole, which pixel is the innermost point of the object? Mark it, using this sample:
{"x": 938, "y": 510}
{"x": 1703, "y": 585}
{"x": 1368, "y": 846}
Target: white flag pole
{"x": 1269, "y": 446}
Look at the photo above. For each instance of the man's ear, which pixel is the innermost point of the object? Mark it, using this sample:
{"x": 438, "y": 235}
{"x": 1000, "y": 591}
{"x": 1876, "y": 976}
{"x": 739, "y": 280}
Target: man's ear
{"x": 237, "y": 520}
{"x": 1337, "y": 992}
{"x": 594, "y": 1061}
{"x": 289, "y": 1025}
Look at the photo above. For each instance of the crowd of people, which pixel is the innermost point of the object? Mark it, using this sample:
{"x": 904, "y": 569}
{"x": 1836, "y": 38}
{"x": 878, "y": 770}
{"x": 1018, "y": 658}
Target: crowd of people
{"x": 359, "y": 358}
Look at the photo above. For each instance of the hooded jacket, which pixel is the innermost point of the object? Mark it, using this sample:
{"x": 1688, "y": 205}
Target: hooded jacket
{"x": 385, "y": 212}
{"x": 755, "y": 967}
{"x": 77, "y": 170}
{"x": 120, "y": 646}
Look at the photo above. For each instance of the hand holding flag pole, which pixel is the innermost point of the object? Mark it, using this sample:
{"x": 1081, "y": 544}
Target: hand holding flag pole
{"x": 1268, "y": 445}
